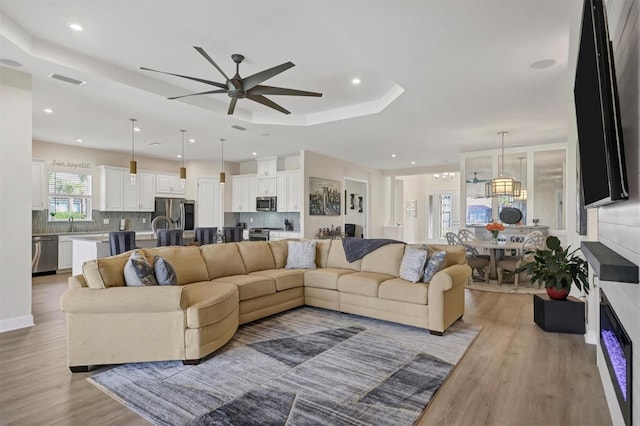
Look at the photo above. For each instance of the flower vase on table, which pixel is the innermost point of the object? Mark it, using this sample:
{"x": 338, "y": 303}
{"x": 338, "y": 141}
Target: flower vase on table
{"x": 494, "y": 228}
{"x": 494, "y": 236}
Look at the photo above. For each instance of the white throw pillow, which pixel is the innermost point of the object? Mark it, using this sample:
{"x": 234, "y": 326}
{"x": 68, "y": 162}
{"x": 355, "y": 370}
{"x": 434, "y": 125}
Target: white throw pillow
{"x": 138, "y": 272}
{"x": 412, "y": 266}
{"x": 301, "y": 254}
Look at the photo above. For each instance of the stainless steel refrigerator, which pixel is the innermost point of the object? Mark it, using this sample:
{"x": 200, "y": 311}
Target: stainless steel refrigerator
{"x": 173, "y": 213}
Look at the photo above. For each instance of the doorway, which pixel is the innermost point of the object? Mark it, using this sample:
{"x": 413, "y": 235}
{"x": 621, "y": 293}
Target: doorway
{"x": 356, "y": 211}
{"x": 442, "y": 215}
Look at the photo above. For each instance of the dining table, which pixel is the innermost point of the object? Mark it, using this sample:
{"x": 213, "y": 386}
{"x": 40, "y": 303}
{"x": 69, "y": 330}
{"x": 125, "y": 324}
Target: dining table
{"x": 495, "y": 251}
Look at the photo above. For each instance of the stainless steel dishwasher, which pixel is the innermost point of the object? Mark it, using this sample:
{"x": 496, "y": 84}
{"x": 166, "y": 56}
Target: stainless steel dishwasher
{"x": 44, "y": 254}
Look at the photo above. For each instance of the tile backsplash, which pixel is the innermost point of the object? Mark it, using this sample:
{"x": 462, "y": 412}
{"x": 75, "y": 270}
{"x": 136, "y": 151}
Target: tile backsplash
{"x": 42, "y": 225}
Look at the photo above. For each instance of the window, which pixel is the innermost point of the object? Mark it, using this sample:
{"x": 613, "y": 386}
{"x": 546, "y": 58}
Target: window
{"x": 69, "y": 196}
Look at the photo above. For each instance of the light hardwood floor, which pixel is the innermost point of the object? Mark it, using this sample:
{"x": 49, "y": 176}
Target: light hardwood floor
{"x": 513, "y": 374}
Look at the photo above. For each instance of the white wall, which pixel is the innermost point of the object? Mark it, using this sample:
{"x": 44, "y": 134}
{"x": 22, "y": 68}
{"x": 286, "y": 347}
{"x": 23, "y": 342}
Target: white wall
{"x": 15, "y": 217}
{"x": 321, "y": 166}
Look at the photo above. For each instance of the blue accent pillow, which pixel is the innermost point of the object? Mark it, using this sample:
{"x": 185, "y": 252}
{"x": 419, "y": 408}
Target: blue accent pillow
{"x": 164, "y": 272}
{"x": 436, "y": 262}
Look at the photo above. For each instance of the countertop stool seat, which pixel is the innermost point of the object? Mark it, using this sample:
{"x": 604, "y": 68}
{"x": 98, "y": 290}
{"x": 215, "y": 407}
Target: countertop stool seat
{"x": 206, "y": 235}
{"x": 121, "y": 241}
{"x": 170, "y": 237}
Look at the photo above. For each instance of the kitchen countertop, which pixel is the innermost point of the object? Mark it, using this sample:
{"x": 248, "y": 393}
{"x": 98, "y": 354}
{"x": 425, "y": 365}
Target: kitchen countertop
{"x": 97, "y": 235}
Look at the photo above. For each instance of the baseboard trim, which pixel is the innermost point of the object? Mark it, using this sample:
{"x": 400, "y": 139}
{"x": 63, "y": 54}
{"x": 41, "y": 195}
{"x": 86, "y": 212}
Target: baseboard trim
{"x": 591, "y": 337}
{"x": 16, "y": 323}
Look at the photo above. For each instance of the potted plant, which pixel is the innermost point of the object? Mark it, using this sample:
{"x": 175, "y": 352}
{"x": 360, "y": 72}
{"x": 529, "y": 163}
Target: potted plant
{"x": 556, "y": 268}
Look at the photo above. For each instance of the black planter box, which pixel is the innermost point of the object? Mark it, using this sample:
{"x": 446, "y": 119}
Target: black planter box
{"x": 560, "y": 316}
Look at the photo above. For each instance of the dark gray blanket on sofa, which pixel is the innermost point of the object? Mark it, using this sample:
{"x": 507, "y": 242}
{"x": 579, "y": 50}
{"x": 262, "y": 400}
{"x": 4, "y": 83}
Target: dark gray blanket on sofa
{"x": 357, "y": 248}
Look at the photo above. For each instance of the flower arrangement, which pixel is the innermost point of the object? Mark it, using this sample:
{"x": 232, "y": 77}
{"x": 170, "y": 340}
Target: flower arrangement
{"x": 495, "y": 228}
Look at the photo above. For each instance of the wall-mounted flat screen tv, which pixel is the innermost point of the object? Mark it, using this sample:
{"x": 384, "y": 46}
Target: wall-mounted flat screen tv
{"x": 600, "y": 143}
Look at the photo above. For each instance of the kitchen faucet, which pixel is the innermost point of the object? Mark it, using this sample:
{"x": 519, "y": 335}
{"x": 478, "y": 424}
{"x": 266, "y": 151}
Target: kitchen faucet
{"x": 71, "y": 220}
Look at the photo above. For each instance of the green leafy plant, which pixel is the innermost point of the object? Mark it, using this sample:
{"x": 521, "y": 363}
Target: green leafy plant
{"x": 554, "y": 266}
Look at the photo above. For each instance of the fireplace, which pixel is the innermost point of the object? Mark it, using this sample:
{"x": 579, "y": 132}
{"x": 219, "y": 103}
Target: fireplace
{"x": 616, "y": 347}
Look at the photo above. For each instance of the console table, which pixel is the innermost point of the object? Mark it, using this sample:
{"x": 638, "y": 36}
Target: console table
{"x": 512, "y": 233}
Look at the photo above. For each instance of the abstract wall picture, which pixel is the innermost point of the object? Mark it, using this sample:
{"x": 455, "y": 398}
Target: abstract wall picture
{"x": 324, "y": 197}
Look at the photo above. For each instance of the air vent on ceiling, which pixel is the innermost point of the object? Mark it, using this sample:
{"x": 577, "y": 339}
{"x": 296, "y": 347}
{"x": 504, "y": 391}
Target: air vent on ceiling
{"x": 67, "y": 79}
{"x": 238, "y": 127}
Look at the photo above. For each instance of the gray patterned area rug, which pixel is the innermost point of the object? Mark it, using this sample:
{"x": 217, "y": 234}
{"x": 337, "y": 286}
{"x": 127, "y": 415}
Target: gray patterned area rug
{"x": 306, "y": 366}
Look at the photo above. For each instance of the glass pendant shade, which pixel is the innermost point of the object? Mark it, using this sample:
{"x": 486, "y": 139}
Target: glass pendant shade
{"x": 222, "y": 178}
{"x": 502, "y": 186}
{"x": 183, "y": 169}
{"x": 133, "y": 171}
{"x": 222, "y": 175}
{"x": 133, "y": 166}
{"x": 522, "y": 196}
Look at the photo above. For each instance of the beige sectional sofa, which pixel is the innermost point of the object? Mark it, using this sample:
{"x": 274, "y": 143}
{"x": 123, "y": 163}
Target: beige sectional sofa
{"x": 223, "y": 285}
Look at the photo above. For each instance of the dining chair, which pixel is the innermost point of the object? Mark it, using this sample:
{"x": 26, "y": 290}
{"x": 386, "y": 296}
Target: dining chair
{"x": 509, "y": 264}
{"x": 206, "y": 235}
{"x": 479, "y": 263}
{"x": 121, "y": 241}
{"x": 170, "y": 237}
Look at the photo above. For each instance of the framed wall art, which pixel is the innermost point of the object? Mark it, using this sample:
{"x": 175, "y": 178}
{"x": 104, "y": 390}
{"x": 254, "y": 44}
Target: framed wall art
{"x": 324, "y": 197}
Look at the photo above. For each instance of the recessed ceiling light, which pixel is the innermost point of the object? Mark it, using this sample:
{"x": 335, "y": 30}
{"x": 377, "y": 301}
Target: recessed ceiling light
{"x": 192, "y": 140}
{"x": 254, "y": 153}
{"x": 48, "y": 110}
{"x": 79, "y": 140}
{"x": 136, "y": 129}
{"x": 10, "y": 62}
{"x": 179, "y": 156}
{"x": 413, "y": 162}
{"x": 355, "y": 81}
{"x": 67, "y": 79}
{"x": 542, "y": 64}
{"x": 393, "y": 156}
{"x": 75, "y": 27}
{"x": 153, "y": 143}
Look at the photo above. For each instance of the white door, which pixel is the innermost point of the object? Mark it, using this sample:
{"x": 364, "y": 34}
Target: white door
{"x": 208, "y": 203}
{"x": 442, "y": 215}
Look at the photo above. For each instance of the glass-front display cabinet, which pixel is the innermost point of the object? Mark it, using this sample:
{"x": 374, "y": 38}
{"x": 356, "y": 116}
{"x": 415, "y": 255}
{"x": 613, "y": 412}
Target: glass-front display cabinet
{"x": 541, "y": 174}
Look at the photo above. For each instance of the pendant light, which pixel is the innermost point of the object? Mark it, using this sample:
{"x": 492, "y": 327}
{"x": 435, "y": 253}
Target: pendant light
{"x": 523, "y": 192}
{"x": 183, "y": 170}
{"x": 502, "y": 186}
{"x": 222, "y": 175}
{"x": 133, "y": 166}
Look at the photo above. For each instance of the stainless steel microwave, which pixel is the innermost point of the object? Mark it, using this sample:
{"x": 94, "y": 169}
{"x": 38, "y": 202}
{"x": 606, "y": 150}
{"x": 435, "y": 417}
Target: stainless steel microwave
{"x": 266, "y": 204}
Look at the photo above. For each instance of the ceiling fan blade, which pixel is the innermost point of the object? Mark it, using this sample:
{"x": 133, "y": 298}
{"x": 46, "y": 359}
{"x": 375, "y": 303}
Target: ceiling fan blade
{"x": 270, "y": 90}
{"x": 201, "y": 93}
{"x": 208, "y": 58}
{"x": 201, "y": 80}
{"x": 267, "y": 102}
{"x": 232, "y": 106}
{"x": 252, "y": 81}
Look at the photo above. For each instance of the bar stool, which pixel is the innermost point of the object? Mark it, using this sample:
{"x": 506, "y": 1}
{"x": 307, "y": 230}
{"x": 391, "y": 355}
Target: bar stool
{"x": 170, "y": 237}
{"x": 206, "y": 235}
{"x": 121, "y": 241}
{"x": 232, "y": 233}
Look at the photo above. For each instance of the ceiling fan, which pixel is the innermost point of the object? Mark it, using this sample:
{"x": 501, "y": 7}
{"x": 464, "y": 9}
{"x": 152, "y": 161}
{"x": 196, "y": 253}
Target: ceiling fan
{"x": 248, "y": 87}
{"x": 476, "y": 180}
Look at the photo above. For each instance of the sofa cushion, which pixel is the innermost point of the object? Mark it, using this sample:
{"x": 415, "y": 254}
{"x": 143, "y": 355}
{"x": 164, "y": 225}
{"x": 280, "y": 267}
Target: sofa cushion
{"x": 301, "y": 255}
{"x": 325, "y": 277}
{"x": 384, "y": 260}
{"x": 164, "y": 272}
{"x": 456, "y": 255}
{"x": 256, "y": 256}
{"x": 413, "y": 263}
{"x": 186, "y": 260}
{"x": 322, "y": 252}
{"x": 284, "y": 278}
{"x": 250, "y": 286}
{"x": 207, "y": 302}
{"x": 437, "y": 261}
{"x": 222, "y": 260}
{"x": 404, "y": 291}
{"x": 337, "y": 258}
{"x": 363, "y": 283}
{"x": 138, "y": 271}
{"x": 106, "y": 272}
{"x": 279, "y": 250}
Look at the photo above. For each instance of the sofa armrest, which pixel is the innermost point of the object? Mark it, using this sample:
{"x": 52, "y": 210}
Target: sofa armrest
{"x": 122, "y": 300}
{"x": 446, "y": 297}
{"x": 454, "y": 275}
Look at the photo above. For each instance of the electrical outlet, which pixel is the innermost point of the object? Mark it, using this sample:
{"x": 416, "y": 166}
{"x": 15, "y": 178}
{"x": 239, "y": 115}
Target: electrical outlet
{"x": 144, "y": 220}
{"x": 250, "y": 220}
{"x": 105, "y": 221}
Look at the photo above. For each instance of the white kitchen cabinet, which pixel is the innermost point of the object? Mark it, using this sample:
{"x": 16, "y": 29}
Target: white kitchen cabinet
{"x": 266, "y": 187}
{"x": 288, "y": 191}
{"x": 243, "y": 193}
{"x": 37, "y": 185}
{"x": 112, "y": 188}
{"x": 167, "y": 183}
{"x": 267, "y": 167}
{"x": 208, "y": 202}
{"x": 141, "y": 196}
{"x": 65, "y": 254}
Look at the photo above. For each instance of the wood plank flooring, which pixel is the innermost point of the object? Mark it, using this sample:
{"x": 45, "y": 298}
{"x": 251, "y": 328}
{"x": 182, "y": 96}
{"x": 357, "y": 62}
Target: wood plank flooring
{"x": 513, "y": 374}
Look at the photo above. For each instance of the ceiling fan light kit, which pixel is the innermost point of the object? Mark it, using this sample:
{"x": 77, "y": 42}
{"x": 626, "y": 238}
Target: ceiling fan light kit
{"x": 237, "y": 87}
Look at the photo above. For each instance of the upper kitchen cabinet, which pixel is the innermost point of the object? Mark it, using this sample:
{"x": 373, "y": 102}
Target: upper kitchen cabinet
{"x": 112, "y": 188}
{"x": 267, "y": 167}
{"x": 168, "y": 184}
{"x": 288, "y": 191}
{"x": 37, "y": 185}
{"x": 141, "y": 196}
{"x": 243, "y": 193}
{"x": 266, "y": 187}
